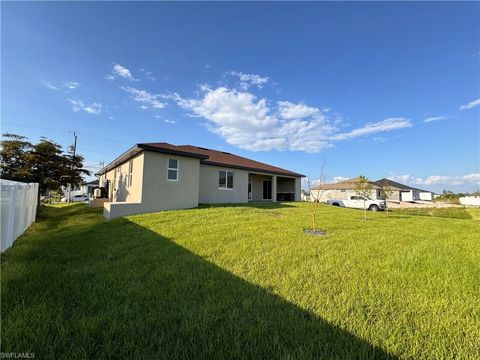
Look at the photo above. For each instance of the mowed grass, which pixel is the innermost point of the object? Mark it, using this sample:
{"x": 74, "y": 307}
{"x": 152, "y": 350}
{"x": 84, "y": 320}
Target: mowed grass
{"x": 447, "y": 212}
{"x": 233, "y": 282}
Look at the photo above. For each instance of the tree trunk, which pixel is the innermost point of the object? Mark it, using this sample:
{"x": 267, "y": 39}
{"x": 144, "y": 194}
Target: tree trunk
{"x": 364, "y": 211}
{"x": 314, "y": 224}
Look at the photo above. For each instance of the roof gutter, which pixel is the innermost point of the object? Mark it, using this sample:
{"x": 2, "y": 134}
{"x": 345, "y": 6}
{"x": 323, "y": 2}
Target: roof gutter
{"x": 138, "y": 148}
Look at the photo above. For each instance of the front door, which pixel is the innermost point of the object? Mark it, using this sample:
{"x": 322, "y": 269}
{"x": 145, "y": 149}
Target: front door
{"x": 267, "y": 189}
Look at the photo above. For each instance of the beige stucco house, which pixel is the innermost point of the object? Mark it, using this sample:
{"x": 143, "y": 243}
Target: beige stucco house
{"x": 159, "y": 176}
{"x": 342, "y": 190}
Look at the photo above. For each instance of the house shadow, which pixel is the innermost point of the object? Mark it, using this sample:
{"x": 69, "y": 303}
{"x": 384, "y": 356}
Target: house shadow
{"x": 121, "y": 192}
{"x": 252, "y": 204}
{"x": 121, "y": 287}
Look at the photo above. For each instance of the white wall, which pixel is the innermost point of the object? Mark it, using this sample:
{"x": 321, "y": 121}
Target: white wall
{"x": 426, "y": 195}
{"x": 470, "y": 200}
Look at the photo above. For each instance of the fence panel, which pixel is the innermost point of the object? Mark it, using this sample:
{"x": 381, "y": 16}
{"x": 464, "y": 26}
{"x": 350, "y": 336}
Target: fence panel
{"x": 18, "y": 209}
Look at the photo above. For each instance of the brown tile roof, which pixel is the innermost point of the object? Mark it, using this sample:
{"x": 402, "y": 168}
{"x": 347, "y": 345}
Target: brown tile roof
{"x": 207, "y": 156}
{"x": 349, "y": 184}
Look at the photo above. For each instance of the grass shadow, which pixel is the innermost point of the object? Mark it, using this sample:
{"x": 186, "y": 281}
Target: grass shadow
{"x": 117, "y": 289}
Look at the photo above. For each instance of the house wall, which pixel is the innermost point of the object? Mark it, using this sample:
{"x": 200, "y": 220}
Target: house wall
{"x": 210, "y": 193}
{"x": 325, "y": 195}
{"x": 120, "y": 191}
{"x": 158, "y": 193}
{"x": 163, "y": 194}
{"x": 426, "y": 195}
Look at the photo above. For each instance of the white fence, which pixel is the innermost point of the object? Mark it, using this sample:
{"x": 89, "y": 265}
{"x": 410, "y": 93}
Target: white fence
{"x": 470, "y": 200}
{"x": 18, "y": 210}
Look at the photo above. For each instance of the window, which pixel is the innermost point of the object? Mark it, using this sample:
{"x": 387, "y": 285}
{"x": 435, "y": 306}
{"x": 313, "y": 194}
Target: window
{"x": 172, "y": 170}
{"x": 225, "y": 179}
{"x": 130, "y": 173}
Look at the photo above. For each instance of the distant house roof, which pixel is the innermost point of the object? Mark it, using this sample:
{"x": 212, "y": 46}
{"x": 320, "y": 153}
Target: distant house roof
{"x": 206, "y": 156}
{"x": 396, "y": 185}
{"x": 93, "y": 183}
{"x": 349, "y": 184}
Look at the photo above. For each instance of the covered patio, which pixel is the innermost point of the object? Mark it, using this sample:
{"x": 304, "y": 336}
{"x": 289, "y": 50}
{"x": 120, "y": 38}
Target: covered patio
{"x": 265, "y": 187}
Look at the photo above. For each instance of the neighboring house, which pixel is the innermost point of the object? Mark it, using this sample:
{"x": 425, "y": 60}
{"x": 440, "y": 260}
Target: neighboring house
{"x": 88, "y": 187}
{"x": 159, "y": 176}
{"x": 84, "y": 189}
{"x": 305, "y": 195}
{"x": 401, "y": 192}
{"x": 342, "y": 190}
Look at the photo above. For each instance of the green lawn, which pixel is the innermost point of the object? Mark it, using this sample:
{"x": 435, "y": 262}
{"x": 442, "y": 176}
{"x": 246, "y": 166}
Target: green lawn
{"x": 448, "y": 212}
{"x": 243, "y": 282}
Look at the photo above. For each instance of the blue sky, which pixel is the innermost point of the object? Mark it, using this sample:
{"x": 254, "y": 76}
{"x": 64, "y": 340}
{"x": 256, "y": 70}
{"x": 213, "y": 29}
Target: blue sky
{"x": 381, "y": 89}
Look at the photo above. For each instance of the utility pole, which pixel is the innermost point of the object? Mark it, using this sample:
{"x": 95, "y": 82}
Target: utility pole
{"x": 74, "y": 150}
{"x": 74, "y": 143}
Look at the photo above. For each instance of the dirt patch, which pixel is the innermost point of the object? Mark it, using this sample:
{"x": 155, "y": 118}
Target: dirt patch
{"x": 315, "y": 233}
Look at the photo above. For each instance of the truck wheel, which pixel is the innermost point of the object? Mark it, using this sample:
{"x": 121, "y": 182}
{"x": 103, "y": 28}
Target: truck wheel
{"x": 373, "y": 207}
{"x": 336, "y": 204}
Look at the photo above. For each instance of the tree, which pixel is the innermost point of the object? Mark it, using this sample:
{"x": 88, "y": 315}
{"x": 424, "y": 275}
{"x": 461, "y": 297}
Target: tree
{"x": 44, "y": 163}
{"x": 387, "y": 192}
{"x": 364, "y": 189}
{"x": 318, "y": 189}
{"x": 13, "y": 155}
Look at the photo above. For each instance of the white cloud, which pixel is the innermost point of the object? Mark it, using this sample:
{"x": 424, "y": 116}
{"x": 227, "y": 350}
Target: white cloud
{"x": 470, "y": 105}
{"x": 473, "y": 178}
{"x": 288, "y": 110}
{"x": 170, "y": 121}
{"x": 246, "y": 80}
{"x": 78, "y": 105}
{"x": 145, "y": 99}
{"x": 389, "y": 124}
{"x": 337, "y": 179}
{"x": 250, "y": 123}
{"x": 434, "y": 118}
{"x": 50, "y": 86}
{"x": 120, "y": 71}
{"x": 71, "y": 85}
{"x": 148, "y": 74}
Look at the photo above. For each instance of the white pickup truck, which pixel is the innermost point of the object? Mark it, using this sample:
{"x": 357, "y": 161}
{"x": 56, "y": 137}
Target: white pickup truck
{"x": 356, "y": 201}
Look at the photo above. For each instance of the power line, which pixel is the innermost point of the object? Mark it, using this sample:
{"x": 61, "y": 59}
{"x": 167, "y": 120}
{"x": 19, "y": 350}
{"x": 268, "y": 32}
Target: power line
{"x": 67, "y": 131}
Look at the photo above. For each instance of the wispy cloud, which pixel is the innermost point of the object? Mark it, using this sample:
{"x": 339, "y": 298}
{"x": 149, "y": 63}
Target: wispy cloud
{"x": 50, "y": 86}
{"x": 389, "y": 124}
{"x": 337, "y": 179}
{"x": 470, "y": 105}
{"x": 170, "y": 121}
{"x": 254, "y": 124}
{"x": 473, "y": 178}
{"x": 434, "y": 118}
{"x": 147, "y": 74}
{"x": 246, "y": 80}
{"x": 120, "y": 71}
{"x": 144, "y": 98}
{"x": 78, "y": 105}
{"x": 71, "y": 85}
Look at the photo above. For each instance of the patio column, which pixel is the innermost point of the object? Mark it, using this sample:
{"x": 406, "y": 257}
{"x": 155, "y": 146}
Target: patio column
{"x": 298, "y": 189}
{"x": 274, "y": 188}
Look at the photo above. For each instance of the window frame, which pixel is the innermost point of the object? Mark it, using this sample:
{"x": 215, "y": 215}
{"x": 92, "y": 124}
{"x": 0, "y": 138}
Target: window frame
{"x": 226, "y": 180}
{"x": 177, "y": 169}
{"x": 130, "y": 173}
